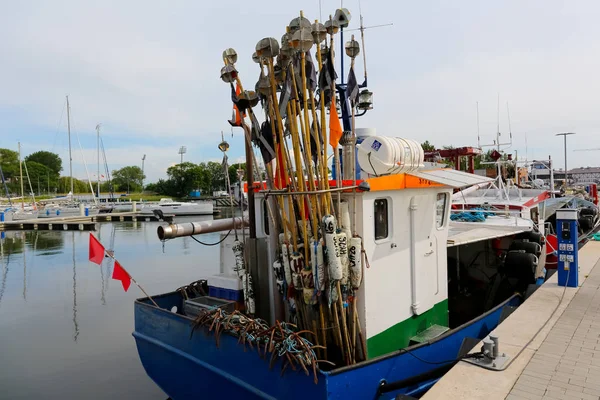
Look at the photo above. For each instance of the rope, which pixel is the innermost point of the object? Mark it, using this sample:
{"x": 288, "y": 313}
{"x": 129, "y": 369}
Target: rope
{"x": 213, "y": 244}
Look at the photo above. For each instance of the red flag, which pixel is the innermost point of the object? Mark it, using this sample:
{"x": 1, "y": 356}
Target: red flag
{"x": 335, "y": 128}
{"x": 120, "y": 274}
{"x": 96, "y": 250}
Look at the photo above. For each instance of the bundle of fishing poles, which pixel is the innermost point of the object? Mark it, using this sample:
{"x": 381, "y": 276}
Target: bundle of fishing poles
{"x": 319, "y": 265}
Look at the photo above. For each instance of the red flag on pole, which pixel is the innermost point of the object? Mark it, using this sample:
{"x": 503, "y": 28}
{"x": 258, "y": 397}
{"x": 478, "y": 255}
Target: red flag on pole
{"x": 96, "y": 250}
{"x": 120, "y": 274}
{"x": 335, "y": 128}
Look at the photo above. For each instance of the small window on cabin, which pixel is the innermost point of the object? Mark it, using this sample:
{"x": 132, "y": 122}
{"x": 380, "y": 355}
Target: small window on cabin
{"x": 440, "y": 209}
{"x": 381, "y": 219}
{"x": 266, "y": 217}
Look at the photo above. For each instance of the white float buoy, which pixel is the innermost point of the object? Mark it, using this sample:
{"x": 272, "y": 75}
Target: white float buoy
{"x": 238, "y": 253}
{"x": 345, "y": 215}
{"x": 318, "y": 265}
{"x": 285, "y": 259}
{"x": 333, "y": 251}
{"x": 297, "y": 264}
{"x": 342, "y": 242}
{"x": 279, "y": 275}
{"x": 355, "y": 261}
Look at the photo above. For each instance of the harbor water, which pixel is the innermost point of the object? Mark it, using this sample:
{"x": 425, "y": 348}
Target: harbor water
{"x": 65, "y": 325}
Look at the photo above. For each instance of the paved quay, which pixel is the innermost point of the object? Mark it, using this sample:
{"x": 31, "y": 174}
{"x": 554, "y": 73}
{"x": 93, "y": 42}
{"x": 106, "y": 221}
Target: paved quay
{"x": 559, "y": 351}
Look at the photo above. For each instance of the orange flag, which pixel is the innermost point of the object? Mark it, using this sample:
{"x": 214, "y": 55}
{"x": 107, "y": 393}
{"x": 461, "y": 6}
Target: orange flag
{"x": 120, "y": 274}
{"x": 335, "y": 128}
{"x": 96, "y": 250}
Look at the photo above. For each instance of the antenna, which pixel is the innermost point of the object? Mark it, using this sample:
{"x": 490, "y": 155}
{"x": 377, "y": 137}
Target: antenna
{"x": 362, "y": 39}
{"x": 182, "y": 151}
{"x": 478, "y": 137}
{"x": 509, "y": 129}
{"x": 498, "y": 119}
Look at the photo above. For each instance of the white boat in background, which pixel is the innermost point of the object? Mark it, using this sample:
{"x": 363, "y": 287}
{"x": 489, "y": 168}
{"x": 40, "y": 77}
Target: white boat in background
{"x": 168, "y": 206}
{"x": 18, "y": 214}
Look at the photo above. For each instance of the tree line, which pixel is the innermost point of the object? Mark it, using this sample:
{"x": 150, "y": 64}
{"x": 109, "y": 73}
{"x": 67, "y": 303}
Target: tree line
{"x": 206, "y": 176}
{"x": 44, "y": 170}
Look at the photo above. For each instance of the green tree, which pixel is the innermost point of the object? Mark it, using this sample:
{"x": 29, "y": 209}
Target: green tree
{"x": 427, "y": 146}
{"x": 216, "y": 174}
{"x": 64, "y": 185}
{"x": 41, "y": 177}
{"x": 9, "y": 161}
{"x": 128, "y": 178}
{"x": 50, "y": 160}
{"x": 183, "y": 178}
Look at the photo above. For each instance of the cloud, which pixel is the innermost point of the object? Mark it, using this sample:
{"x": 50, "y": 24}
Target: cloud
{"x": 149, "y": 72}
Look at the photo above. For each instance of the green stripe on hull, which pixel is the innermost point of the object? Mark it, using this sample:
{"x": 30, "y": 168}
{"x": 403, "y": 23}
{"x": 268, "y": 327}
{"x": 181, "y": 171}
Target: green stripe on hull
{"x": 398, "y": 336}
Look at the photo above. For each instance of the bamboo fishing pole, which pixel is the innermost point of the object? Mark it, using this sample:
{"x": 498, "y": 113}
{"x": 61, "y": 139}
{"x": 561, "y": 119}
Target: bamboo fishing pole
{"x": 318, "y": 37}
{"x": 295, "y": 113}
{"x": 334, "y": 104}
{"x": 304, "y": 46}
{"x": 345, "y": 336}
{"x": 268, "y": 167}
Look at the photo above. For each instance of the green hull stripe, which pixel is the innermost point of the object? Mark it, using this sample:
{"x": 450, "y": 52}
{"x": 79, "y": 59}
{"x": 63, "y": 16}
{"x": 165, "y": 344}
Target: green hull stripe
{"x": 398, "y": 336}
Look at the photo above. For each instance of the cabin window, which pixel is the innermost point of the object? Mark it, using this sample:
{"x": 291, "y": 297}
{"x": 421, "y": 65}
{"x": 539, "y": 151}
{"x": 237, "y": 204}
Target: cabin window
{"x": 266, "y": 217}
{"x": 381, "y": 219}
{"x": 440, "y": 209}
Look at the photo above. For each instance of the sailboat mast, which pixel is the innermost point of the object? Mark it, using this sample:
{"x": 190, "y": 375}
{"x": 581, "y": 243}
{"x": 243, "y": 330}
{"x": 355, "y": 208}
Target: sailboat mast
{"x": 21, "y": 171}
{"x": 98, "y": 138}
{"x": 70, "y": 156}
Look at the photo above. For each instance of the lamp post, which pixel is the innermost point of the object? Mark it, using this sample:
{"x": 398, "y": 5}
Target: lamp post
{"x": 564, "y": 135}
{"x": 182, "y": 151}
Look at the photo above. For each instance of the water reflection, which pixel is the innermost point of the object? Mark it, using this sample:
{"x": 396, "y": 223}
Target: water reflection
{"x": 62, "y": 320}
{"x": 75, "y": 325}
{"x": 4, "y": 268}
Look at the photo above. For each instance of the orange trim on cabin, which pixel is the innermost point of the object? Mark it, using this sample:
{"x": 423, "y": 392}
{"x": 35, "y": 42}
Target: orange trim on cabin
{"x": 400, "y": 181}
{"x": 414, "y": 182}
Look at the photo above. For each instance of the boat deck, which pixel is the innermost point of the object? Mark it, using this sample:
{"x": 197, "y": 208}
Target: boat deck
{"x": 559, "y": 340}
{"x": 77, "y": 223}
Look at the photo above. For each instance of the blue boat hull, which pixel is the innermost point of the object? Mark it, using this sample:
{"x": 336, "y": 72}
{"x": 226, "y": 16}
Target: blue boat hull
{"x": 195, "y": 368}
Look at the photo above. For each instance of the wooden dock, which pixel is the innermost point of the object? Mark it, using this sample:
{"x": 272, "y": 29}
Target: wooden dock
{"x": 78, "y": 223}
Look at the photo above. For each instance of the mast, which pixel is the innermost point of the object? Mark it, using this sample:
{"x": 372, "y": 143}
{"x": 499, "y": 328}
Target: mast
{"x": 21, "y": 171}
{"x": 70, "y": 156}
{"x": 98, "y": 139}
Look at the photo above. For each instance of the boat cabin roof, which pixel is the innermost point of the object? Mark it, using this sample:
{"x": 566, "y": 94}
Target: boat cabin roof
{"x": 444, "y": 177}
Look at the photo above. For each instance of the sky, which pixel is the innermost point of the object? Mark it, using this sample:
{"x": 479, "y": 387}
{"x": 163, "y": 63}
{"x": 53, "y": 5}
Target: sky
{"x": 148, "y": 72}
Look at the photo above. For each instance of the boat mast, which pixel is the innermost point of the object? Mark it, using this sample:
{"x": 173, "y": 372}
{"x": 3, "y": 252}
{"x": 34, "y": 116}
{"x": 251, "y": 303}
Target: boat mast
{"x": 70, "y": 156}
{"x": 5, "y": 186}
{"x": 21, "y": 171}
{"x": 98, "y": 138}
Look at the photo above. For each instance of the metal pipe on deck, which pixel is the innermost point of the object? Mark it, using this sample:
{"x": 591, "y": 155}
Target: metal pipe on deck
{"x": 172, "y": 231}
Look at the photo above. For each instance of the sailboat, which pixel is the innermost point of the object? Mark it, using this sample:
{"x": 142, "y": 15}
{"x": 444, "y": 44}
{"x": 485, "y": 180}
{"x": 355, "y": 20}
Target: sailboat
{"x": 342, "y": 288}
{"x": 25, "y": 212}
{"x": 68, "y": 206}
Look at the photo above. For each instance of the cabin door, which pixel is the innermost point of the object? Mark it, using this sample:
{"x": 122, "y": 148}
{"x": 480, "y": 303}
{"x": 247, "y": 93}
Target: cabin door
{"x": 426, "y": 252}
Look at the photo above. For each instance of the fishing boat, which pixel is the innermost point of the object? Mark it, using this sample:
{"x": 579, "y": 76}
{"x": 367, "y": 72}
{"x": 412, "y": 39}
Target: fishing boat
{"x": 178, "y": 208}
{"x": 338, "y": 288}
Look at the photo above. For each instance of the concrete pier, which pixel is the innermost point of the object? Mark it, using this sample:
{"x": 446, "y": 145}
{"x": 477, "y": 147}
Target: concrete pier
{"x": 558, "y": 348}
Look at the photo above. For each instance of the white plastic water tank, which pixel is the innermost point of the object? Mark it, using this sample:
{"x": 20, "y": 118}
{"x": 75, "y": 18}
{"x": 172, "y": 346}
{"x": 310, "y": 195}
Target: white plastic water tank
{"x": 365, "y": 132}
{"x": 381, "y": 155}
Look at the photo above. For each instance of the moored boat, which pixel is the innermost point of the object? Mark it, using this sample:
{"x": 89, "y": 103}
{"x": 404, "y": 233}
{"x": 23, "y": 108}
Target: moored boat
{"x": 178, "y": 208}
{"x": 341, "y": 288}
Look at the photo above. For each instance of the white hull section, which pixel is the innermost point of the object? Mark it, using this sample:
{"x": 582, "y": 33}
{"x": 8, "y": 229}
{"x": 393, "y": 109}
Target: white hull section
{"x": 178, "y": 208}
